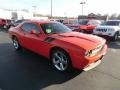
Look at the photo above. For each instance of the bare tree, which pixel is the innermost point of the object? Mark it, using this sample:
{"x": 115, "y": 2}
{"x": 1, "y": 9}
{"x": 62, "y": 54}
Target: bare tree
{"x": 113, "y": 17}
{"x": 118, "y": 17}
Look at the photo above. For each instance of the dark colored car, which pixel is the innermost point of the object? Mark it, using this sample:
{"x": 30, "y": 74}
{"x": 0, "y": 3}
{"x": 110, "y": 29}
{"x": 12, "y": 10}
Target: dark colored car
{"x": 2, "y": 22}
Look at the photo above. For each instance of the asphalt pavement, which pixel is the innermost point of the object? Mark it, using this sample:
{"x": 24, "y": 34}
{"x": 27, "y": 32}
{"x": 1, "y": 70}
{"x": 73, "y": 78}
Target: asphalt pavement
{"x": 25, "y": 70}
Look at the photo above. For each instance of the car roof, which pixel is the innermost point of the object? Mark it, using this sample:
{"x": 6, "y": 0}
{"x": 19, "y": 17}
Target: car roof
{"x": 114, "y": 20}
{"x": 41, "y": 21}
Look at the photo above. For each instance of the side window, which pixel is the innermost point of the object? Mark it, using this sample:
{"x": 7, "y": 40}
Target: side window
{"x": 27, "y": 27}
{"x": 34, "y": 27}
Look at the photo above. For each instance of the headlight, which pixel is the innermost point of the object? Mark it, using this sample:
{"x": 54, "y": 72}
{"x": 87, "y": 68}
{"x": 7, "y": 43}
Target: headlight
{"x": 88, "y": 53}
{"x": 93, "y": 52}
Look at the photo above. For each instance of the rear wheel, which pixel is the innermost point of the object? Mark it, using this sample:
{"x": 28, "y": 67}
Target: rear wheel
{"x": 61, "y": 60}
{"x": 16, "y": 44}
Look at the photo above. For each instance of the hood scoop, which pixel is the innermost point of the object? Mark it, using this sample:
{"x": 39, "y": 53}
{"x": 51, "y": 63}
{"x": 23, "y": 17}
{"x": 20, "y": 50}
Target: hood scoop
{"x": 77, "y": 36}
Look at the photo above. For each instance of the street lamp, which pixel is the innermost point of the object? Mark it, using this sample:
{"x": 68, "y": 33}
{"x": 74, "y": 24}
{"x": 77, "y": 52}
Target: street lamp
{"x": 34, "y": 13}
{"x": 51, "y": 8}
{"x": 82, "y": 3}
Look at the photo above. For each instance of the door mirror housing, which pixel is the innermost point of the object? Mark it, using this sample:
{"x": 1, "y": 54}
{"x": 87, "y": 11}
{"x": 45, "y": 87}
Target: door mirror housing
{"x": 33, "y": 32}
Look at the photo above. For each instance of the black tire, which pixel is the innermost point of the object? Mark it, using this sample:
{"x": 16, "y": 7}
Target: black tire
{"x": 115, "y": 37}
{"x": 60, "y": 64}
{"x": 16, "y": 44}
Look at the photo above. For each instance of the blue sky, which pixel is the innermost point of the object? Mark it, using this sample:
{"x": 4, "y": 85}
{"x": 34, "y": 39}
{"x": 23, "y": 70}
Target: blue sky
{"x": 64, "y": 7}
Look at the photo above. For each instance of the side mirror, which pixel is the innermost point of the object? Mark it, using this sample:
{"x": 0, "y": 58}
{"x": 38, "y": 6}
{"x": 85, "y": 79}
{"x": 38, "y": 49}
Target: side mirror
{"x": 34, "y": 32}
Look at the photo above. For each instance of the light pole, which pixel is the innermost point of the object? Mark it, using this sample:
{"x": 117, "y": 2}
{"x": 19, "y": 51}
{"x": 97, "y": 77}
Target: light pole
{"x": 82, "y": 3}
{"x": 34, "y": 13}
{"x": 51, "y": 8}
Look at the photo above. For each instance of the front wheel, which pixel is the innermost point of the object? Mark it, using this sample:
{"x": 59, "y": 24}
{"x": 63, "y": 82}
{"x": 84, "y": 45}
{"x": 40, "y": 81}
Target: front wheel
{"x": 16, "y": 44}
{"x": 115, "y": 37}
{"x": 61, "y": 60}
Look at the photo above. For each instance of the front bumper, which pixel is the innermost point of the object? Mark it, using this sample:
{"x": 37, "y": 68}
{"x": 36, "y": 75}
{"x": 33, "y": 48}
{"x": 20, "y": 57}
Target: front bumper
{"x": 82, "y": 63}
{"x": 109, "y": 34}
{"x": 96, "y": 60}
{"x": 92, "y": 65}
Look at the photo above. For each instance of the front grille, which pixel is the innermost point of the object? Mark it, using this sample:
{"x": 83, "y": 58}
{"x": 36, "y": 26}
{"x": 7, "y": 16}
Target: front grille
{"x": 101, "y": 30}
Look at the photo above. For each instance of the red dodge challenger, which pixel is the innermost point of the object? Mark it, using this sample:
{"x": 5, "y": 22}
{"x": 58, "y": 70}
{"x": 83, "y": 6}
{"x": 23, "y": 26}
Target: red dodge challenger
{"x": 66, "y": 49}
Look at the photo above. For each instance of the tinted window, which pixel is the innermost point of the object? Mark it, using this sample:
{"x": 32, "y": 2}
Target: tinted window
{"x": 83, "y": 22}
{"x": 111, "y": 23}
{"x": 19, "y": 21}
{"x": 3, "y": 21}
{"x": 94, "y": 22}
{"x": 27, "y": 27}
{"x": 50, "y": 28}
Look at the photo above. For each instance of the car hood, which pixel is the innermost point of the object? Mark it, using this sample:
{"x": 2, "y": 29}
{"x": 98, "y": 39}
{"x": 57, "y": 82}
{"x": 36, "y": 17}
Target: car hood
{"x": 109, "y": 27}
{"x": 85, "y": 41}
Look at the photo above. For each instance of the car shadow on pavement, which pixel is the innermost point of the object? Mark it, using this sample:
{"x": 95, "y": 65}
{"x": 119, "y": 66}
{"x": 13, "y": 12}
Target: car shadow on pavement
{"x": 114, "y": 44}
{"x": 25, "y": 70}
{"x": 4, "y": 30}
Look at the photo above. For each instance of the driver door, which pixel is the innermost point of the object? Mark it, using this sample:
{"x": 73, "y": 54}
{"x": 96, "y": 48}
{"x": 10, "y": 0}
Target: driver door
{"x": 29, "y": 40}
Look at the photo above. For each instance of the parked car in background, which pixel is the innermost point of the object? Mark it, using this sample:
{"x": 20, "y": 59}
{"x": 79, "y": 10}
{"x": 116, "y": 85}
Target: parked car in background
{"x": 2, "y": 22}
{"x": 84, "y": 26}
{"x": 58, "y": 20}
{"x": 110, "y": 28}
{"x": 72, "y": 24}
{"x": 8, "y": 24}
{"x": 58, "y": 43}
{"x": 17, "y": 22}
{"x": 87, "y": 26}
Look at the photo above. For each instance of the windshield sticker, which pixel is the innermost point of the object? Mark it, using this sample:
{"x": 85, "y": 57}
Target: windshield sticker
{"x": 48, "y": 30}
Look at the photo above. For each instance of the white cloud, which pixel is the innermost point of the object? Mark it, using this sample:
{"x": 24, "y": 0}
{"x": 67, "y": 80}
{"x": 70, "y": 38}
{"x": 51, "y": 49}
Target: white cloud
{"x": 70, "y": 7}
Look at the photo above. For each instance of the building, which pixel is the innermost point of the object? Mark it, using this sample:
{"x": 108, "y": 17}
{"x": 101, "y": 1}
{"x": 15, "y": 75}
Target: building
{"x": 18, "y": 14}
{"x": 93, "y": 16}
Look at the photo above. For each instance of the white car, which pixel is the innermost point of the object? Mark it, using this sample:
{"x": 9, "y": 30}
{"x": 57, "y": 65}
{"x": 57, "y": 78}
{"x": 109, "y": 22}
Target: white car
{"x": 110, "y": 28}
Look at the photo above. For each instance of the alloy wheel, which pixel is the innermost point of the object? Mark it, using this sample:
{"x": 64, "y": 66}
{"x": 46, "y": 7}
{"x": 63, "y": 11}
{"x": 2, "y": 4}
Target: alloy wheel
{"x": 60, "y": 61}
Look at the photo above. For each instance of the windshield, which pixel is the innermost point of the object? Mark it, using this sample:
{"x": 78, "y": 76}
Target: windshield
{"x": 94, "y": 22}
{"x": 83, "y": 22}
{"x": 19, "y": 21}
{"x": 111, "y": 23}
{"x": 55, "y": 28}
